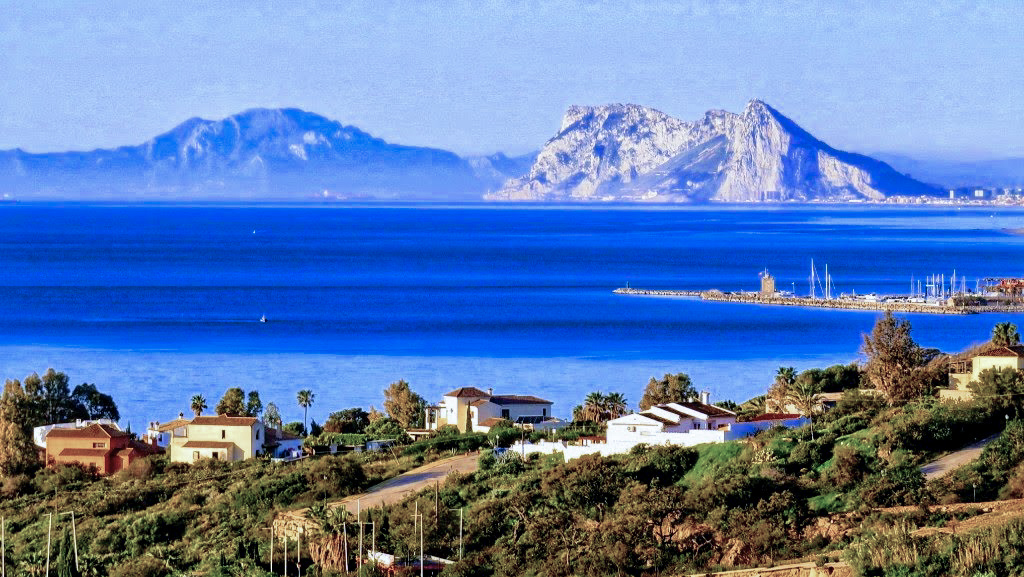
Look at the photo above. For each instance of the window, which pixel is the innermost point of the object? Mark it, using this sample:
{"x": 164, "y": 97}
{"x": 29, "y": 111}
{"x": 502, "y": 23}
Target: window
{"x": 223, "y": 434}
{"x": 631, "y": 428}
{"x": 257, "y": 434}
{"x": 215, "y": 455}
{"x": 99, "y": 445}
{"x": 544, "y": 412}
{"x": 505, "y": 414}
{"x": 195, "y": 455}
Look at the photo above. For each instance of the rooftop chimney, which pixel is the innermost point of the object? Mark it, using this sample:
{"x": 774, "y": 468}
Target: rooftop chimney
{"x": 490, "y": 391}
{"x": 705, "y": 397}
{"x": 181, "y": 415}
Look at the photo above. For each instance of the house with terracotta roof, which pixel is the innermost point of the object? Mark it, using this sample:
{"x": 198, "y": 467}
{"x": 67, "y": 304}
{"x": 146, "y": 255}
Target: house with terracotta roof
{"x": 471, "y": 409}
{"x": 102, "y": 447}
{"x": 218, "y": 437}
{"x": 963, "y": 372}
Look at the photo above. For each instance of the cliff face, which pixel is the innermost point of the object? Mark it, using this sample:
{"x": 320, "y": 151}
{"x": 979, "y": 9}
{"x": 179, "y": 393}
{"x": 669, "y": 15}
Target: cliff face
{"x": 632, "y": 153}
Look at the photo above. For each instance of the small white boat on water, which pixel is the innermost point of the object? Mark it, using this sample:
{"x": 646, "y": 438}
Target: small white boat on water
{"x": 263, "y": 319}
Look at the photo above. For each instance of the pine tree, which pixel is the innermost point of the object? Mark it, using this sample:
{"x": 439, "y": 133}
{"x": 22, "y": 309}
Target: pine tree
{"x": 17, "y": 451}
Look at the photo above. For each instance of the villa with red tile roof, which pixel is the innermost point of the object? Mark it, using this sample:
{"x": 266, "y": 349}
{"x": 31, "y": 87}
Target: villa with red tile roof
{"x": 99, "y": 446}
{"x": 218, "y": 437}
{"x": 470, "y": 408}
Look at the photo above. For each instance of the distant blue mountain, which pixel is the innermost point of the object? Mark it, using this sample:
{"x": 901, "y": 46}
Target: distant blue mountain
{"x": 259, "y": 154}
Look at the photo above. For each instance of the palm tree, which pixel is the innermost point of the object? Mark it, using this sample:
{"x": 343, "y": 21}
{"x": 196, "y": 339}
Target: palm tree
{"x": 615, "y": 405}
{"x": 785, "y": 377}
{"x": 198, "y": 404}
{"x": 305, "y": 398}
{"x": 805, "y": 395}
{"x": 593, "y": 407}
{"x": 1005, "y": 335}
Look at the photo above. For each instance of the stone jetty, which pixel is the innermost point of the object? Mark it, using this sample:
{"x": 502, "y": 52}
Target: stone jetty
{"x": 839, "y": 303}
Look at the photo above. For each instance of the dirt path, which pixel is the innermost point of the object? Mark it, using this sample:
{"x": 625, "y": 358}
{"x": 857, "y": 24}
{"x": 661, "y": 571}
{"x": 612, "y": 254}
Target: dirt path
{"x": 946, "y": 464}
{"x": 391, "y": 491}
{"x": 395, "y": 489}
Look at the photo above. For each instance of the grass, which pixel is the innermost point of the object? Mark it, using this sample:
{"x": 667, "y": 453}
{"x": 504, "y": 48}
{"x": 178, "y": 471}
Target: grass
{"x": 713, "y": 458}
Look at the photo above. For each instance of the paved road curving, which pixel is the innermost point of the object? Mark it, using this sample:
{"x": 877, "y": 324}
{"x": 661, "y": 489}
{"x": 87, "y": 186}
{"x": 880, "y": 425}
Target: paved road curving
{"x": 947, "y": 464}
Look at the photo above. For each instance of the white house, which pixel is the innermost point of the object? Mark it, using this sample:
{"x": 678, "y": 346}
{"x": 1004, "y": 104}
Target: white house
{"x": 689, "y": 423}
{"x": 471, "y": 409}
{"x": 282, "y": 445}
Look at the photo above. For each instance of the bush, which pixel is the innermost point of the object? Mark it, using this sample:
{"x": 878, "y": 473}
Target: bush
{"x": 145, "y": 566}
{"x": 15, "y": 486}
{"x": 487, "y": 460}
{"x": 504, "y": 436}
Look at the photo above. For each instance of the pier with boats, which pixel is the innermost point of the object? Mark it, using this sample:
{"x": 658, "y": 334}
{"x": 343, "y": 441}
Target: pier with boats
{"x": 932, "y": 294}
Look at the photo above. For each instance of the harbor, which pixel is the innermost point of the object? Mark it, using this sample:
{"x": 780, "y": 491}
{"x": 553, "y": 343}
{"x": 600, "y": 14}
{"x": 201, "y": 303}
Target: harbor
{"x": 933, "y": 294}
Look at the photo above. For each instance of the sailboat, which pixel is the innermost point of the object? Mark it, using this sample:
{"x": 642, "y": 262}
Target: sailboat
{"x": 263, "y": 319}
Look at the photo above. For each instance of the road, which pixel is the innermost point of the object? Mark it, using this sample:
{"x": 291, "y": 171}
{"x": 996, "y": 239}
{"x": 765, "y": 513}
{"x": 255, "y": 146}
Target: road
{"x": 391, "y": 491}
{"x": 395, "y": 489}
{"x": 946, "y": 464}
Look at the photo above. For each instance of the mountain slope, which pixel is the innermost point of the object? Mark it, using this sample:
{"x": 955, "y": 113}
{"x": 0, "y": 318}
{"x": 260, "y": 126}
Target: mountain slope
{"x": 1003, "y": 172}
{"x": 625, "y": 152}
{"x": 259, "y": 153}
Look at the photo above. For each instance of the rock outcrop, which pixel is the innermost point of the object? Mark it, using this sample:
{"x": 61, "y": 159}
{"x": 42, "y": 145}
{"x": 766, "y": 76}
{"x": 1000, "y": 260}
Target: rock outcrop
{"x": 625, "y": 152}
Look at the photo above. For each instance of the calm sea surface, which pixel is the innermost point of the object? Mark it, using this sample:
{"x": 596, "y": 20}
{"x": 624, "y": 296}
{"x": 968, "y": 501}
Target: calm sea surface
{"x": 157, "y": 303}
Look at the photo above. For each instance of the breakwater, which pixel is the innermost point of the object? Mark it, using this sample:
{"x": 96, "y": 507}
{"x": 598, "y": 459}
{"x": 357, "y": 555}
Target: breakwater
{"x": 842, "y": 303}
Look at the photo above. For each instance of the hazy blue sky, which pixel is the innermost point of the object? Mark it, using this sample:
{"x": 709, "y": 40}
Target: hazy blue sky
{"x": 923, "y": 77}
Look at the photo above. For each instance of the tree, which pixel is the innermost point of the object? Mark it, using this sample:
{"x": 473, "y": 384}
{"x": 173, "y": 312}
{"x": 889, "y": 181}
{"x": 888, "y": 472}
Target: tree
{"x": 295, "y": 428}
{"x": 806, "y": 397}
{"x": 892, "y": 357}
{"x": 352, "y": 420}
{"x": 670, "y": 389}
{"x": 271, "y": 416}
{"x": 305, "y": 398}
{"x": 785, "y": 377}
{"x": 96, "y": 405}
{"x": 254, "y": 406}
{"x": 615, "y": 405}
{"x": 1005, "y": 335}
{"x": 17, "y": 450}
{"x": 402, "y": 404}
{"x": 232, "y": 403}
{"x": 198, "y": 404}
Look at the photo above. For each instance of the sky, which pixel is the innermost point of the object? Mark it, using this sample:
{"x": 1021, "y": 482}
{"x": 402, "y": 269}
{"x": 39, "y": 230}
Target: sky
{"x": 938, "y": 79}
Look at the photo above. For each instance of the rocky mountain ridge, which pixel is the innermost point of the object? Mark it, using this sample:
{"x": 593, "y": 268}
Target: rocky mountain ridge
{"x": 627, "y": 152}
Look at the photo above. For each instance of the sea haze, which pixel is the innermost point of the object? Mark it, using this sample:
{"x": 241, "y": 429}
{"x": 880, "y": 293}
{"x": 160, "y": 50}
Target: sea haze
{"x": 157, "y": 303}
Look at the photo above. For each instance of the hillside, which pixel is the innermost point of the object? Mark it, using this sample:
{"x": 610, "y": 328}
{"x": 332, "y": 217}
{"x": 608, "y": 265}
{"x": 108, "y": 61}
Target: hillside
{"x": 625, "y": 152}
{"x": 259, "y": 154}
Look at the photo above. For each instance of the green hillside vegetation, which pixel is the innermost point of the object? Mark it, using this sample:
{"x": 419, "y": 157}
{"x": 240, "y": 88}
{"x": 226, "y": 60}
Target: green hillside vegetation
{"x": 812, "y": 493}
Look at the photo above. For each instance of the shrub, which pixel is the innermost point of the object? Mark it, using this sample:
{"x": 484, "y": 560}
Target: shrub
{"x": 145, "y": 566}
{"x": 487, "y": 460}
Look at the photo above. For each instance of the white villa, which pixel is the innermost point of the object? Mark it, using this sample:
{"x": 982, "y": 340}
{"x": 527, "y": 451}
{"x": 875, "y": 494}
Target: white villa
{"x": 686, "y": 424}
{"x": 471, "y": 409}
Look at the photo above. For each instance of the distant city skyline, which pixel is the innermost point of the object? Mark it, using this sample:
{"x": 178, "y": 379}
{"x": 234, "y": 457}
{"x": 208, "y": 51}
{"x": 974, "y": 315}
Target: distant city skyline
{"x": 927, "y": 80}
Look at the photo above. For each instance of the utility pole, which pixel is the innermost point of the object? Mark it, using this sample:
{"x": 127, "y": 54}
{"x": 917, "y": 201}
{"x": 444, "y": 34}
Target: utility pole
{"x": 271, "y": 547}
{"x": 49, "y": 532}
{"x": 344, "y": 527}
{"x": 359, "y": 519}
{"x": 417, "y": 517}
{"x": 74, "y": 534}
{"x": 460, "y": 510}
{"x": 285, "y": 554}
{"x": 3, "y": 546}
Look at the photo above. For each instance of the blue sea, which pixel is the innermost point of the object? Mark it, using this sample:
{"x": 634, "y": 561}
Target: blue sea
{"x": 155, "y": 303}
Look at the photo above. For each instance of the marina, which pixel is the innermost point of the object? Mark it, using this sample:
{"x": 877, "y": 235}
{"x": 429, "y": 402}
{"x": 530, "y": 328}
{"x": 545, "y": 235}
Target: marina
{"x": 934, "y": 294}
